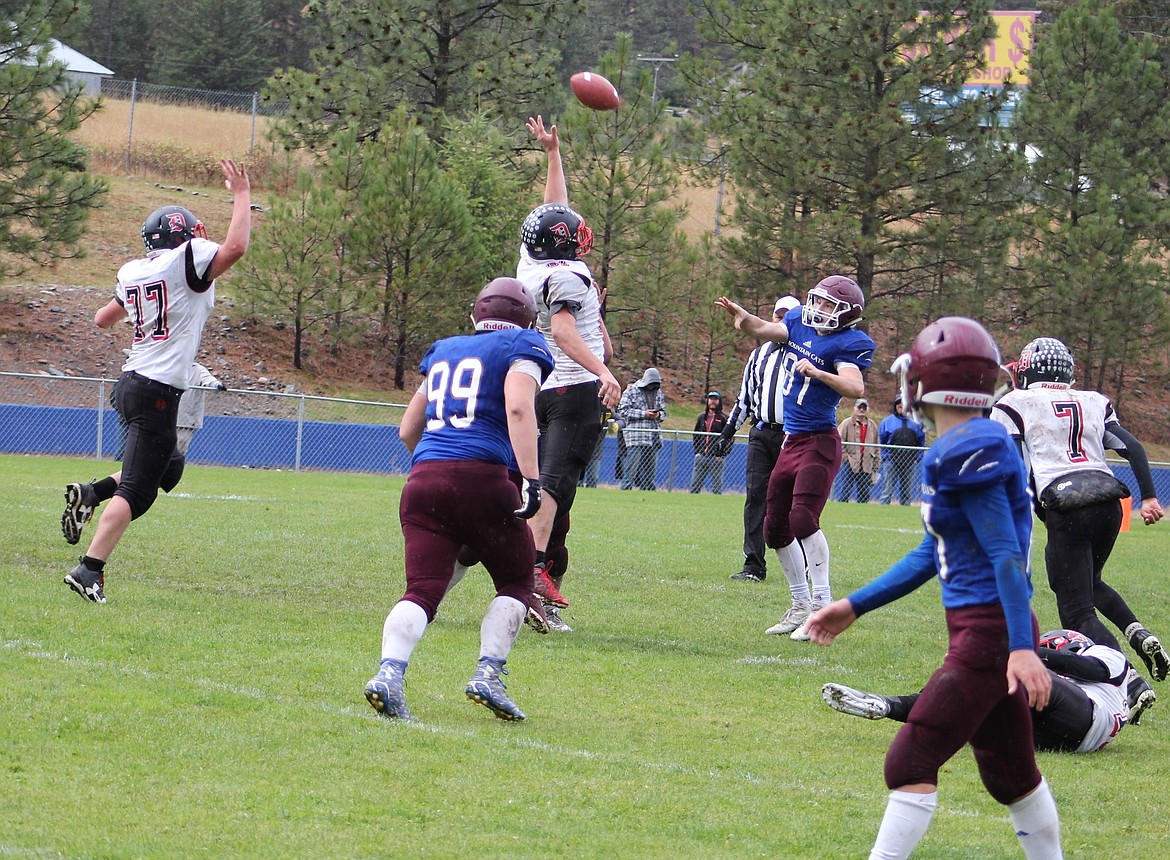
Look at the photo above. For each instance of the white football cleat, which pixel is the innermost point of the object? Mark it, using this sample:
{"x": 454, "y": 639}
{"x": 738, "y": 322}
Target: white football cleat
{"x": 855, "y": 703}
{"x": 791, "y": 620}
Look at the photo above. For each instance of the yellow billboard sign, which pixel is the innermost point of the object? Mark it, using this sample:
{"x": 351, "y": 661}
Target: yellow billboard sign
{"x": 1007, "y": 54}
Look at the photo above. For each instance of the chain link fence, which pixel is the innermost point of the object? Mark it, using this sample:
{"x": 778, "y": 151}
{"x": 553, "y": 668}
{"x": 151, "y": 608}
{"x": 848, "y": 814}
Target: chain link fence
{"x": 72, "y": 416}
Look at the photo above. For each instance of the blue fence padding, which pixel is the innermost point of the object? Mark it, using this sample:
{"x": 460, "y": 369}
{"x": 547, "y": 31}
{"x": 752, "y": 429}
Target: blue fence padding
{"x": 272, "y": 443}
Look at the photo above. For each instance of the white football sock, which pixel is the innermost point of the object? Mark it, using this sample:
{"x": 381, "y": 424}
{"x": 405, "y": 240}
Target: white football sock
{"x": 456, "y": 577}
{"x": 1037, "y": 824}
{"x": 816, "y": 552}
{"x": 906, "y": 819}
{"x": 500, "y": 627}
{"x": 404, "y": 626}
{"x": 791, "y": 558}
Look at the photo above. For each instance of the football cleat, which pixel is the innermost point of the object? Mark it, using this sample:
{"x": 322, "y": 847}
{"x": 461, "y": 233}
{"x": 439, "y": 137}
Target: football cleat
{"x": 555, "y": 622}
{"x": 80, "y": 503}
{"x": 800, "y": 634}
{"x": 791, "y": 620}
{"x": 485, "y": 688}
{"x": 1140, "y": 695}
{"x": 385, "y": 691}
{"x": 535, "y": 617}
{"x": 542, "y": 584}
{"x": 746, "y": 575}
{"x": 855, "y": 703}
{"x": 88, "y": 583}
{"x": 1150, "y": 649}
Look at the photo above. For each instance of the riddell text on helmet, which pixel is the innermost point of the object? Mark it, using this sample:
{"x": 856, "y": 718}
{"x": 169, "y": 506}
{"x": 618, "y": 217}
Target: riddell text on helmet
{"x": 972, "y": 400}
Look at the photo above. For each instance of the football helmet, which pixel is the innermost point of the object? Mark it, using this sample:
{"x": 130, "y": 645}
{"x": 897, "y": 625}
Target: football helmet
{"x": 1045, "y": 360}
{"x": 555, "y": 232}
{"x": 1065, "y": 640}
{"x": 503, "y": 303}
{"x": 845, "y": 296}
{"x": 170, "y": 227}
{"x": 952, "y": 362}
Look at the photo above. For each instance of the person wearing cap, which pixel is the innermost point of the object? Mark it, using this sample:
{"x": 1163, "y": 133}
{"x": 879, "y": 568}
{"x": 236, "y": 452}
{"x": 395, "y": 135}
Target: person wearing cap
{"x": 761, "y": 395}
{"x": 710, "y": 449}
{"x": 640, "y": 413}
{"x": 860, "y": 454}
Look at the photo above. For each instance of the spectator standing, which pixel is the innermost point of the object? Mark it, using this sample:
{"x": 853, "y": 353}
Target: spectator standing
{"x": 978, "y": 532}
{"x": 167, "y": 295}
{"x": 641, "y": 411}
{"x": 900, "y": 463}
{"x": 860, "y": 454}
{"x": 1063, "y": 433}
{"x": 192, "y": 403}
{"x": 710, "y": 448}
{"x": 761, "y": 396}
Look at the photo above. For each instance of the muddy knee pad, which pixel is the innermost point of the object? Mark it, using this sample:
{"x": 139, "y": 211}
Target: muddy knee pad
{"x": 803, "y": 521}
{"x": 174, "y": 472}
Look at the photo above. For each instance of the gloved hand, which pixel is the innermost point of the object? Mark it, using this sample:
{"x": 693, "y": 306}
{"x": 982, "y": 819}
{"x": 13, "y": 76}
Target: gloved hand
{"x": 724, "y": 442}
{"x": 529, "y": 498}
{"x": 220, "y": 387}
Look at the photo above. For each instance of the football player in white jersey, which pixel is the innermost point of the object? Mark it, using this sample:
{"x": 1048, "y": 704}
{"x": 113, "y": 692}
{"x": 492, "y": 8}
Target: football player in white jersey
{"x": 1086, "y": 710}
{"x": 1063, "y": 433}
{"x": 167, "y": 295}
{"x": 568, "y": 407}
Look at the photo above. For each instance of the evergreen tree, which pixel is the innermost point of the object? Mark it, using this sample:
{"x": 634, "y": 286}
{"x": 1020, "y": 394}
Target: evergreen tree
{"x": 456, "y": 57}
{"x": 213, "y": 45}
{"x": 45, "y": 191}
{"x": 119, "y": 34}
{"x": 416, "y": 248}
{"x": 1094, "y": 271}
{"x": 622, "y": 182}
{"x": 294, "y": 262}
{"x": 852, "y": 150}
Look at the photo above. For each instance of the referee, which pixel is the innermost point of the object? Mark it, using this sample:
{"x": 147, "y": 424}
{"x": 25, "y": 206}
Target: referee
{"x": 761, "y": 395}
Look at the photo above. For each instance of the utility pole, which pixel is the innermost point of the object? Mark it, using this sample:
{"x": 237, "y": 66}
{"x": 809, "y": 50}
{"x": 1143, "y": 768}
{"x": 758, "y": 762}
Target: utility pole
{"x": 657, "y": 61}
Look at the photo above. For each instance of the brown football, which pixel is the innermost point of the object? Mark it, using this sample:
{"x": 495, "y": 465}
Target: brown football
{"x": 594, "y": 91}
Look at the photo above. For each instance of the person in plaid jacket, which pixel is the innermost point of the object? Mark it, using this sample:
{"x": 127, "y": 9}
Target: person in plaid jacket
{"x": 640, "y": 413}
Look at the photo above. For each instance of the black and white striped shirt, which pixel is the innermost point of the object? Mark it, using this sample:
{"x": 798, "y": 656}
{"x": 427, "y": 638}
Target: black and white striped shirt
{"x": 761, "y": 393}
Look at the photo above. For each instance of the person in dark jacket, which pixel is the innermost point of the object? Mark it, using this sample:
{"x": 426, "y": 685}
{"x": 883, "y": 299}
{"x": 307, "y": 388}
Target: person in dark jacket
{"x": 710, "y": 449}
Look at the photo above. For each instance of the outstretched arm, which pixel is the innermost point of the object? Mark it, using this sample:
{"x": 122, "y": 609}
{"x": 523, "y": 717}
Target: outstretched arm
{"x": 555, "y": 189}
{"x": 235, "y": 179}
{"x": 752, "y": 324}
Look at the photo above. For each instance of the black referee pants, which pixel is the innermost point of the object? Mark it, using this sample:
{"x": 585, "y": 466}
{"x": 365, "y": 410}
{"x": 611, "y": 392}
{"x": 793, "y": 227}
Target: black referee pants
{"x": 763, "y": 450}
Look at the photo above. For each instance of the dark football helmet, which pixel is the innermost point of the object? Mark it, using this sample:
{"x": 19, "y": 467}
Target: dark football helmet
{"x": 1045, "y": 359}
{"x": 845, "y": 296}
{"x": 170, "y": 227}
{"x": 952, "y": 362}
{"x": 555, "y": 232}
{"x": 1065, "y": 640}
{"x": 503, "y": 303}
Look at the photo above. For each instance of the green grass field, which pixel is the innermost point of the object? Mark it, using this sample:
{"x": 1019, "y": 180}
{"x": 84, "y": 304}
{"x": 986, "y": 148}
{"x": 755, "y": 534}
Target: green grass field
{"x": 214, "y": 706}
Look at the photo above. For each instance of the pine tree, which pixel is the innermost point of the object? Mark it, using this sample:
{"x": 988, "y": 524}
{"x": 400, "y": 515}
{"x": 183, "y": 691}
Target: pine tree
{"x": 45, "y": 191}
{"x": 214, "y": 45}
{"x": 1097, "y": 227}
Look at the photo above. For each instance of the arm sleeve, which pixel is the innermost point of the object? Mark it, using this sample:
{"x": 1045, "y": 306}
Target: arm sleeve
{"x": 1135, "y": 453}
{"x": 990, "y": 515}
{"x": 1078, "y": 666}
{"x": 914, "y": 568}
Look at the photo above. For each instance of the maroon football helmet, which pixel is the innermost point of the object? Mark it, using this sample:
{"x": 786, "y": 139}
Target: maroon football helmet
{"x": 845, "y": 296}
{"x": 503, "y": 303}
{"x": 952, "y": 362}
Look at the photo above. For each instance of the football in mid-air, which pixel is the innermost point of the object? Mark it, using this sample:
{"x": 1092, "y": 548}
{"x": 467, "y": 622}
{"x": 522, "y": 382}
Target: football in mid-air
{"x": 594, "y": 91}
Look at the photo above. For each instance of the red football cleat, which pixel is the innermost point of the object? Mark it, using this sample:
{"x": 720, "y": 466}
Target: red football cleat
{"x": 543, "y": 585}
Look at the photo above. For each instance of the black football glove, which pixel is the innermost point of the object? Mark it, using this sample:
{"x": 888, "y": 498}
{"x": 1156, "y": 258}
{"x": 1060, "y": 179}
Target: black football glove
{"x": 220, "y": 387}
{"x": 529, "y": 498}
{"x": 724, "y": 443}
